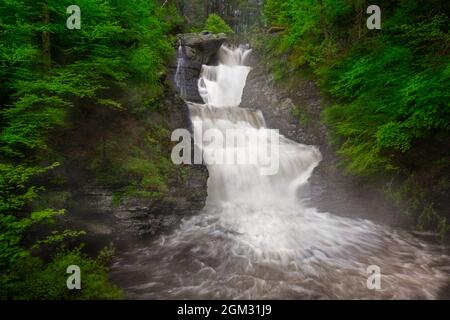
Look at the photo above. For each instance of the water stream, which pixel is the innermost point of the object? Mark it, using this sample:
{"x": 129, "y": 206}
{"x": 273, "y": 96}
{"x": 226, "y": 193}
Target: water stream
{"x": 257, "y": 238}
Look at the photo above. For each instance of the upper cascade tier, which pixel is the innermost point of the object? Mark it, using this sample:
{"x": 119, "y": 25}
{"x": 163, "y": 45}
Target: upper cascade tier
{"x": 223, "y": 85}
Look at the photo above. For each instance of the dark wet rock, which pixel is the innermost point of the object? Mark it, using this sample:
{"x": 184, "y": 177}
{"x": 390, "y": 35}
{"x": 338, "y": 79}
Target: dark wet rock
{"x": 96, "y": 199}
{"x": 205, "y": 44}
{"x": 107, "y": 221}
{"x": 195, "y": 49}
{"x": 132, "y": 219}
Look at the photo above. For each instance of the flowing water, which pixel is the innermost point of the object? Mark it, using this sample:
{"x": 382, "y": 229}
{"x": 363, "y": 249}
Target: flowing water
{"x": 257, "y": 238}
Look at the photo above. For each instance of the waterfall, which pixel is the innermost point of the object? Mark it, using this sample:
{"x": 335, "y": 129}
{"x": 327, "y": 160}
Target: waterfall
{"x": 180, "y": 76}
{"x": 221, "y": 88}
{"x": 257, "y": 238}
{"x": 222, "y": 85}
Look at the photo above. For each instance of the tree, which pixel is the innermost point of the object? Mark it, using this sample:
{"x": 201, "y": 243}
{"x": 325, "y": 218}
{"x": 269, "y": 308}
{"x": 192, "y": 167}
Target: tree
{"x": 216, "y": 24}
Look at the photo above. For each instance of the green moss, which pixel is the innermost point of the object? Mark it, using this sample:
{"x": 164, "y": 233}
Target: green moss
{"x": 138, "y": 164}
{"x": 301, "y": 114}
{"x": 114, "y": 65}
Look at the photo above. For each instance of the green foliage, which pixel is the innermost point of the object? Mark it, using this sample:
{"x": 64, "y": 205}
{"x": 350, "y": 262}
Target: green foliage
{"x": 301, "y": 115}
{"x": 391, "y": 87}
{"x": 120, "y": 45}
{"x": 138, "y": 164}
{"x": 216, "y": 24}
{"x": 24, "y": 274}
{"x": 31, "y": 278}
{"x": 117, "y": 43}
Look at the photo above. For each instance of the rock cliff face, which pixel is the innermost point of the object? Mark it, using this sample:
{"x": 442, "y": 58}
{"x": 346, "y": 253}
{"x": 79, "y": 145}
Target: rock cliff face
{"x": 195, "y": 49}
{"x": 130, "y": 220}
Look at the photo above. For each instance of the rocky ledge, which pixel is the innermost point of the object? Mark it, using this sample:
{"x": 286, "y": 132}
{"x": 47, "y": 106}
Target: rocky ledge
{"x": 195, "y": 49}
{"x": 134, "y": 219}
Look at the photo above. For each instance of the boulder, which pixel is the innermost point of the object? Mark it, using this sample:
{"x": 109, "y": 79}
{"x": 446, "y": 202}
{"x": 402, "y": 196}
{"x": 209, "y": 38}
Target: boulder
{"x": 195, "y": 50}
{"x": 204, "y": 44}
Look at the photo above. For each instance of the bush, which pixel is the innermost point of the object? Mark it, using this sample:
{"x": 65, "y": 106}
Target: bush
{"x": 216, "y": 24}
